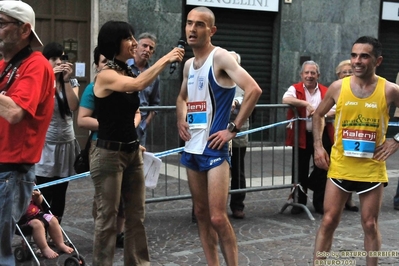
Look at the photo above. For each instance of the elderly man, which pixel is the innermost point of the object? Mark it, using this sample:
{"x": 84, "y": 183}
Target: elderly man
{"x": 26, "y": 107}
{"x": 306, "y": 96}
{"x": 150, "y": 95}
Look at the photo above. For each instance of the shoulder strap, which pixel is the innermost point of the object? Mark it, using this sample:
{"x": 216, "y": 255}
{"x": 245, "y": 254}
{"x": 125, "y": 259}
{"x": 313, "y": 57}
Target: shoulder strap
{"x": 14, "y": 63}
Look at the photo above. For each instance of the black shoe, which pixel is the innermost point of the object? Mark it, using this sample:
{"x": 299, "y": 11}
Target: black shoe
{"x": 120, "y": 240}
{"x": 193, "y": 218}
{"x": 318, "y": 207}
{"x": 351, "y": 208}
{"x": 238, "y": 214}
{"x": 296, "y": 210}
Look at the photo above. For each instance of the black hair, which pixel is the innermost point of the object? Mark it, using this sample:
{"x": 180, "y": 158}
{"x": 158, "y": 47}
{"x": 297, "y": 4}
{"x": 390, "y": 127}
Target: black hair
{"x": 110, "y": 37}
{"x": 377, "y": 46}
{"x": 51, "y": 50}
{"x": 96, "y": 55}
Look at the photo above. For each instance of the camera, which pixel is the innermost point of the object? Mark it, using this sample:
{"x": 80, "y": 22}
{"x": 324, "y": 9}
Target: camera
{"x": 64, "y": 58}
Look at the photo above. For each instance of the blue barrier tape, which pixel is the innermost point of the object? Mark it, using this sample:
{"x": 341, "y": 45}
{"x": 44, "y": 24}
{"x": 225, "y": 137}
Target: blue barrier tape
{"x": 62, "y": 180}
{"x": 239, "y": 134}
{"x": 391, "y": 124}
{"x": 180, "y": 149}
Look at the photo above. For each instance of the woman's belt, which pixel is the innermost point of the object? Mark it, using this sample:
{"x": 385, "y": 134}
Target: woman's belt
{"x": 128, "y": 147}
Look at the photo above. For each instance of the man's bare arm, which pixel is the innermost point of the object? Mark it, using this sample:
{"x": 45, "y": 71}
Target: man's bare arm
{"x": 390, "y": 146}
{"x": 227, "y": 63}
{"x": 324, "y": 107}
{"x": 321, "y": 157}
{"x": 181, "y": 105}
{"x": 10, "y": 111}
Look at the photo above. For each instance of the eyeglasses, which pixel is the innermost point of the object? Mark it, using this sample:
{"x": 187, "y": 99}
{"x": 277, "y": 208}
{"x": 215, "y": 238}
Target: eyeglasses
{"x": 4, "y": 24}
{"x": 347, "y": 72}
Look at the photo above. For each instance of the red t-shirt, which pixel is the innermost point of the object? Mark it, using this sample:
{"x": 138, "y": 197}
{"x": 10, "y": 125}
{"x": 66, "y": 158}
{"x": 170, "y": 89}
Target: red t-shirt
{"x": 33, "y": 90}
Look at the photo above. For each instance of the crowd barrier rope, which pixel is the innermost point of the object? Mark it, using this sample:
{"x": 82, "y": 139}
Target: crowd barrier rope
{"x": 160, "y": 155}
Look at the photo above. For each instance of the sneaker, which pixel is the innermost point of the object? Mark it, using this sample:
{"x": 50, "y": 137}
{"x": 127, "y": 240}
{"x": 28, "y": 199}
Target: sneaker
{"x": 120, "y": 240}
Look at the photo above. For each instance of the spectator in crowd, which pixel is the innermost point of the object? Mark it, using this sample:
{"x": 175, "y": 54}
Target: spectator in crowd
{"x": 203, "y": 109}
{"x": 344, "y": 69}
{"x": 356, "y": 163}
{"x": 37, "y": 222}
{"x": 26, "y": 106}
{"x": 306, "y": 96}
{"x": 61, "y": 147}
{"x": 150, "y": 95}
{"x": 117, "y": 163}
{"x": 239, "y": 148}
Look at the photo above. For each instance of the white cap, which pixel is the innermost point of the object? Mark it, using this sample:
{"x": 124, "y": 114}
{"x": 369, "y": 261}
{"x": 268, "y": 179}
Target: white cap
{"x": 23, "y": 12}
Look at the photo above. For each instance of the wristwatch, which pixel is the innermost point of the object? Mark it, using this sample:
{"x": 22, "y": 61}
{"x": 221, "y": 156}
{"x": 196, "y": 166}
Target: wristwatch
{"x": 396, "y": 137}
{"x": 232, "y": 127}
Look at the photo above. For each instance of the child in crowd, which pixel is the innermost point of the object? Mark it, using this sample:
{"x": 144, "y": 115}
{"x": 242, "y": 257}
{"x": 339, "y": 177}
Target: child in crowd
{"x": 35, "y": 221}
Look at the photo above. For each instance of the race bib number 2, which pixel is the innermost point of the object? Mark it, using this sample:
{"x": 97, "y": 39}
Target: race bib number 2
{"x": 358, "y": 143}
{"x": 197, "y": 115}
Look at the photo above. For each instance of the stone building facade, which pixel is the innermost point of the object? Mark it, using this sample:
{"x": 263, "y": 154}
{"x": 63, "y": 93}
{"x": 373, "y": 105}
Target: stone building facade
{"x": 320, "y": 30}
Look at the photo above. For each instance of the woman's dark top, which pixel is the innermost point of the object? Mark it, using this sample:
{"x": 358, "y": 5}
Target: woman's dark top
{"x": 115, "y": 115}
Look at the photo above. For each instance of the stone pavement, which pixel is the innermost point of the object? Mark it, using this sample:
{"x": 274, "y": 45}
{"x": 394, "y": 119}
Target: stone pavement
{"x": 265, "y": 236}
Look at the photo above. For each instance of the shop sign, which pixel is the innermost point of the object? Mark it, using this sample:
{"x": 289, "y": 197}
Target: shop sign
{"x": 258, "y": 5}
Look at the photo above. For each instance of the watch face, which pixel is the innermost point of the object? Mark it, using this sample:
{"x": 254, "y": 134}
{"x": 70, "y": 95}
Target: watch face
{"x": 396, "y": 137}
{"x": 230, "y": 127}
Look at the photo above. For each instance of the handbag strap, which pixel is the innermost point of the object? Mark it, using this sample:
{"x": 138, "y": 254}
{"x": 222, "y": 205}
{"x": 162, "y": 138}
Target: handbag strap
{"x": 88, "y": 142}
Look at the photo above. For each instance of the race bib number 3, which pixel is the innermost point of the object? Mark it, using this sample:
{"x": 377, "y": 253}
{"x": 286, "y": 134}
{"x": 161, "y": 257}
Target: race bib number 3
{"x": 197, "y": 115}
{"x": 358, "y": 143}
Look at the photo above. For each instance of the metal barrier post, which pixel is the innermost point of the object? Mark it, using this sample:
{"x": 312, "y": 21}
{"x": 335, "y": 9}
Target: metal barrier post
{"x": 296, "y": 179}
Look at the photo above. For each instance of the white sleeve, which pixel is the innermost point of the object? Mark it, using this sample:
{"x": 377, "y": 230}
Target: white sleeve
{"x": 291, "y": 92}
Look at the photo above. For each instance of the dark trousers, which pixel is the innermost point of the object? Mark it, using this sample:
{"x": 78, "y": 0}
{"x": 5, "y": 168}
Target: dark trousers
{"x": 318, "y": 179}
{"x": 54, "y": 195}
{"x": 237, "y": 178}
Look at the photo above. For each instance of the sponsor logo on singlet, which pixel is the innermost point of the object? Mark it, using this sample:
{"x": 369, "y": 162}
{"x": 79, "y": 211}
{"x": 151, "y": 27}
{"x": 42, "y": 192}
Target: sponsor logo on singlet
{"x": 360, "y": 120}
{"x": 359, "y": 134}
{"x": 201, "y": 83}
{"x": 351, "y": 103}
{"x": 371, "y": 105}
{"x": 196, "y": 106}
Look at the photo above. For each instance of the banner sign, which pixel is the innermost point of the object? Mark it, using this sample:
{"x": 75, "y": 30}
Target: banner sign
{"x": 257, "y": 5}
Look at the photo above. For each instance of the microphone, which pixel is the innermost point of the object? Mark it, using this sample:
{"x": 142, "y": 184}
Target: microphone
{"x": 173, "y": 66}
